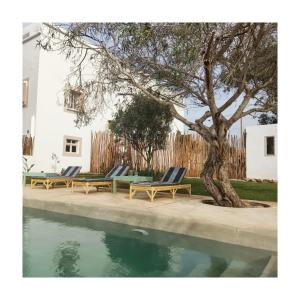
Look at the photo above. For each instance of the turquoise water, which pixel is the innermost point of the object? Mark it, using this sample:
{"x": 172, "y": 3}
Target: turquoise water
{"x": 57, "y": 245}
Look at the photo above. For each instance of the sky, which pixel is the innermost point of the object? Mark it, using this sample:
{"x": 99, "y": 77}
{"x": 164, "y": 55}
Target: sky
{"x": 193, "y": 112}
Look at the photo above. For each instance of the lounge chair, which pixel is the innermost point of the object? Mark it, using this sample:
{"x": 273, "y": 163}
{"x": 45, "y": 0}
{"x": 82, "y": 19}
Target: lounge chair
{"x": 66, "y": 177}
{"x": 107, "y": 181}
{"x": 171, "y": 181}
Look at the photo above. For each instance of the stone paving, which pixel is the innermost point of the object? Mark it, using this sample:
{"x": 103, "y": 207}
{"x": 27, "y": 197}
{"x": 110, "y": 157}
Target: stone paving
{"x": 251, "y": 227}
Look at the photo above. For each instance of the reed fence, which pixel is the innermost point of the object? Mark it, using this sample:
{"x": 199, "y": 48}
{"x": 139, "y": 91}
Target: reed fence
{"x": 188, "y": 151}
{"x": 27, "y": 143}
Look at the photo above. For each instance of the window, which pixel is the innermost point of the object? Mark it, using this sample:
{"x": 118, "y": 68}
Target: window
{"x": 25, "y": 91}
{"x": 72, "y": 146}
{"x": 72, "y": 100}
{"x": 270, "y": 145}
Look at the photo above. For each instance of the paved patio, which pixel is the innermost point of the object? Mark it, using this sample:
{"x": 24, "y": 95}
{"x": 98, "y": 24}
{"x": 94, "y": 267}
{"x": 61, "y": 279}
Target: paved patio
{"x": 251, "y": 227}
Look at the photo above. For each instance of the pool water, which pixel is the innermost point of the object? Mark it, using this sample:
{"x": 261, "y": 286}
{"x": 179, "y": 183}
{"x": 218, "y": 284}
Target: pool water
{"x": 58, "y": 245}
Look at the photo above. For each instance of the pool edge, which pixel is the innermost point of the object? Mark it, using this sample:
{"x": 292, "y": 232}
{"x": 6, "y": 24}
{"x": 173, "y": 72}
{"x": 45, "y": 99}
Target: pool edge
{"x": 159, "y": 221}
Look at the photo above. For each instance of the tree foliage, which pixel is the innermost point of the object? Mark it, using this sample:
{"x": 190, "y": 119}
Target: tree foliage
{"x": 172, "y": 62}
{"x": 175, "y": 63}
{"x": 265, "y": 119}
{"x": 145, "y": 123}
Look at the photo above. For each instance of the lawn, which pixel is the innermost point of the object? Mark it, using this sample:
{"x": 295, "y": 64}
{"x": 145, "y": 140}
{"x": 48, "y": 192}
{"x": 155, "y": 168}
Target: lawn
{"x": 246, "y": 190}
{"x": 260, "y": 191}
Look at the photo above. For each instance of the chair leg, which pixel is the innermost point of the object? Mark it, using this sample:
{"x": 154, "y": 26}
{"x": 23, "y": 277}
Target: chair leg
{"x": 86, "y": 188}
{"x": 132, "y": 193}
{"x": 173, "y": 192}
{"x": 33, "y": 183}
{"x": 149, "y": 194}
{"x": 153, "y": 193}
{"x": 47, "y": 184}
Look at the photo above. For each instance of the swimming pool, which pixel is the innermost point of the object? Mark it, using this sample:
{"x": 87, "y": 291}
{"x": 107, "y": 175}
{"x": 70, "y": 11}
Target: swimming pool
{"x": 58, "y": 245}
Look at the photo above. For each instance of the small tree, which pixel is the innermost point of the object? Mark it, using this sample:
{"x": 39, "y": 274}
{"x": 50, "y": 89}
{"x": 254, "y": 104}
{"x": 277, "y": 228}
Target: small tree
{"x": 265, "y": 119}
{"x": 145, "y": 124}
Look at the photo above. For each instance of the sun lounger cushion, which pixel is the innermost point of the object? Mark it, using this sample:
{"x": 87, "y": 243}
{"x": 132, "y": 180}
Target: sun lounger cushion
{"x": 93, "y": 179}
{"x": 69, "y": 172}
{"x": 118, "y": 170}
{"x": 154, "y": 183}
{"x": 172, "y": 176}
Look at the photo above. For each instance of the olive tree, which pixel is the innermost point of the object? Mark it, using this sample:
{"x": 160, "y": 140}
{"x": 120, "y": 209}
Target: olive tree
{"x": 145, "y": 124}
{"x": 265, "y": 119}
{"x": 229, "y": 70}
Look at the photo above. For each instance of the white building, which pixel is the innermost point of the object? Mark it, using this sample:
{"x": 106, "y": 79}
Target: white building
{"x": 261, "y": 152}
{"x": 48, "y": 117}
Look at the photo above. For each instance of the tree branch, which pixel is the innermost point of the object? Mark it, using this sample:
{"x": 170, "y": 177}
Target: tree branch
{"x": 209, "y": 78}
{"x": 235, "y": 32}
{"x": 270, "y": 108}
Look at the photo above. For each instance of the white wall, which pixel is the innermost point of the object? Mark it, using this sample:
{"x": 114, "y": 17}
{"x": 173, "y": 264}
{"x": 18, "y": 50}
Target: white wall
{"x": 48, "y": 71}
{"x": 30, "y": 71}
{"x": 258, "y": 164}
{"x": 53, "y": 122}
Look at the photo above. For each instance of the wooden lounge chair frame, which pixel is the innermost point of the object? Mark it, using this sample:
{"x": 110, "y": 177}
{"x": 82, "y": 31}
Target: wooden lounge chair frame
{"x": 50, "y": 182}
{"x": 171, "y": 181}
{"x": 86, "y": 185}
{"x": 152, "y": 190}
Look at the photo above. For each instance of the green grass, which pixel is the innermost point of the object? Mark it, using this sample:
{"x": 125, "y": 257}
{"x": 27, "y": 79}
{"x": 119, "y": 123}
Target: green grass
{"x": 260, "y": 191}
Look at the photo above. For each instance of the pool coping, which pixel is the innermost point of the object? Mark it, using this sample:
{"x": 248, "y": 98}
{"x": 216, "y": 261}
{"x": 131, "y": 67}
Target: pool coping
{"x": 183, "y": 215}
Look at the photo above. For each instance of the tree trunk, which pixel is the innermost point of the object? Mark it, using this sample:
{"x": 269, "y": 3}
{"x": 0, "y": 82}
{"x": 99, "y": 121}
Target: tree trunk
{"x": 217, "y": 163}
{"x": 149, "y": 165}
